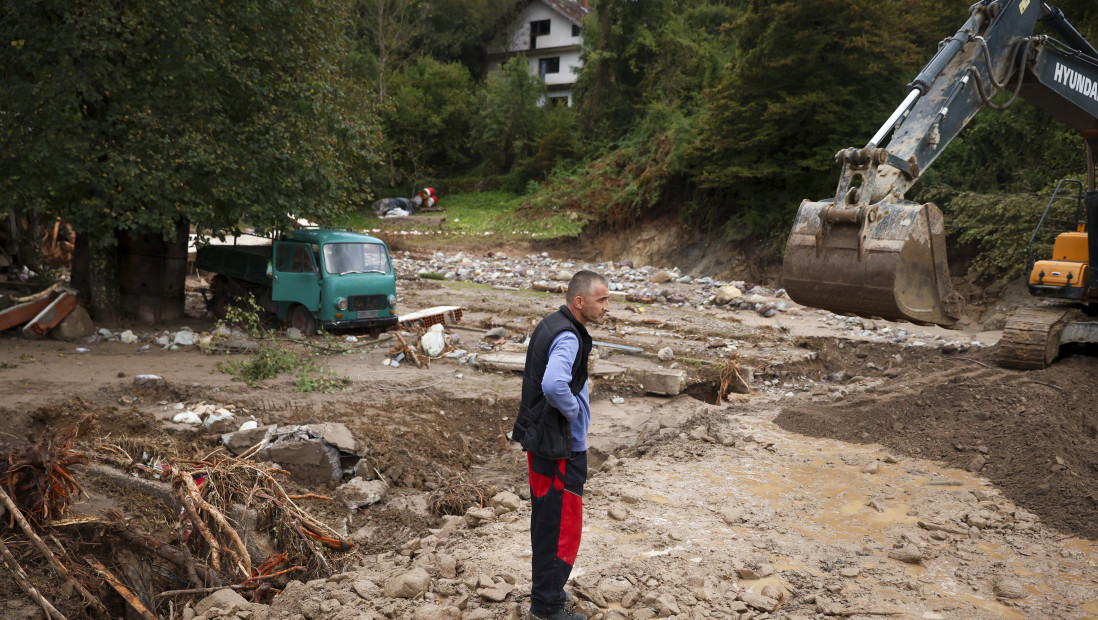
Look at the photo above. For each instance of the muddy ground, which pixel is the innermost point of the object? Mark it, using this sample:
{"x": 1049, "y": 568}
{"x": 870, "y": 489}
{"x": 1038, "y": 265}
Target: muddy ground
{"x": 875, "y": 468}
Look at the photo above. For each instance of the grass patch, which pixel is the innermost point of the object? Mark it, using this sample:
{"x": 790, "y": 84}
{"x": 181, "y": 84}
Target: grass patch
{"x": 480, "y": 213}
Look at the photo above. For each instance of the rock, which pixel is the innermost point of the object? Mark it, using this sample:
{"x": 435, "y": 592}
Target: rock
{"x": 437, "y": 612}
{"x": 977, "y": 463}
{"x": 618, "y": 512}
{"x": 661, "y": 381}
{"x": 699, "y": 433}
{"x": 185, "y": 338}
{"x": 127, "y": 337}
{"x": 665, "y": 354}
{"x": 563, "y": 275}
{"x": 74, "y": 327}
{"x": 908, "y": 553}
{"x": 734, "y": 516}
{"x": 408, "y": 585}
{"x": 504, "y": 502}
{"x": 1009, "y": 587}
{"x": 614, "y": 589}
{"x": 684, "y": 280}
{"x": 727, "y": 294}
{"x": 293, "y": 333}
{"x": 662, "y": 276}
{"x": 872, "y": 467}
{"x": 495, "y": 333}
{"x": 497, "y": 593}
{"x": 446, "y": 565}
{"x": 625, "y": 264}
{"x": 476, "y": 516}
{"x": 747, "y": 573}
{"x": 148, "y": 380}
{"x": 850, "y": 572}
{"x": 667, "y": 605}
{"x": 226, "y": 600}
{"x": 366, "y": 589}
{"x": 768, "y": 309}
{"x": 758, "y": 601}
{"x": 773, "y": 592}
{"x": 359, "y": 493}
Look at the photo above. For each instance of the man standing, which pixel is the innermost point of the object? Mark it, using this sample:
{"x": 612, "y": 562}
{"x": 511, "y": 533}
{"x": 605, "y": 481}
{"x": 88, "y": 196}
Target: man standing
{"x": 552, "y": 423}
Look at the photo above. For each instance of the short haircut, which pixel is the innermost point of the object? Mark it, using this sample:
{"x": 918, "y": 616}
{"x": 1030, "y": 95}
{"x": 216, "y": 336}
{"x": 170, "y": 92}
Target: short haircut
{"x": 583, "y": 284}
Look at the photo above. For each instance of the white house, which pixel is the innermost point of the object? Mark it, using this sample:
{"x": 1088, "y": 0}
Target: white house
{"x": 548, "y": 33}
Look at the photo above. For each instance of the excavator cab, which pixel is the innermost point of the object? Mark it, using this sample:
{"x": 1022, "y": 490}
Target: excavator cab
{"x": 870, "y": 255}
{"x": 1066, "y": 274}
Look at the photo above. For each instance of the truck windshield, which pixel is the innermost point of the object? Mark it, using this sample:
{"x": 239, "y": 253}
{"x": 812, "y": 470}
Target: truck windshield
{"x": 343, "y": 258}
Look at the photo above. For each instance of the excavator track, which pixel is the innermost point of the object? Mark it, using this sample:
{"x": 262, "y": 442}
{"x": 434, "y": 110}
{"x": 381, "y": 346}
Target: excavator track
{"x": 1031, "y": 338}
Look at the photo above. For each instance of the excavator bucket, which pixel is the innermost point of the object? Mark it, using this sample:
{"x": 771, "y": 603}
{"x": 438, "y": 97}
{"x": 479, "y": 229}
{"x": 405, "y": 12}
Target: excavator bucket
{"x": 883, "y": 260}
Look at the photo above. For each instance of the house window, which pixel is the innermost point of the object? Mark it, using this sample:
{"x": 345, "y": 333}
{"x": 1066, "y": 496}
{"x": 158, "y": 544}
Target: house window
{"x": 548, "y": 65}
{"x": 537, "y": 29}
{"x": 575, "y": 30}
{"x": 555, "y": 102}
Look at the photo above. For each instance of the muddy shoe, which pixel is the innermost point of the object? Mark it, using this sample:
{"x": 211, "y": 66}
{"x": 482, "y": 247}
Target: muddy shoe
{"x": 564, "y": 613}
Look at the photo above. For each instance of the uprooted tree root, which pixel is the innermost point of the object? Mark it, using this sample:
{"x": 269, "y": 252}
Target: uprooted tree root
{"x": 458, "y": 497}
{"x": 221, "y": 507}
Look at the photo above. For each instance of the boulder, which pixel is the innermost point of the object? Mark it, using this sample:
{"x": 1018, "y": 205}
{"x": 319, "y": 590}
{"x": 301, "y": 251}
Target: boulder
{"x": 75, "y": 326}
{"x": 408, "y": 585}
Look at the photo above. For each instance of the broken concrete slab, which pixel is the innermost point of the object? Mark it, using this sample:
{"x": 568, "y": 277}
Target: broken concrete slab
{"x": 240, "y": 441}
{"x": 310, "y": 460}
{"x": 513, "y": 362}
{"x": 664, "y": 382}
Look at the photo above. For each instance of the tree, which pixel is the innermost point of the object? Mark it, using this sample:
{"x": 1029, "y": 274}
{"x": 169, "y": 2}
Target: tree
{"x": 428, "y": 117}
{"x": 148, "y": 114}
{"x": 389, "y": 29}
{"x": 809, "y": 79}
{"x": 510, "y": 120}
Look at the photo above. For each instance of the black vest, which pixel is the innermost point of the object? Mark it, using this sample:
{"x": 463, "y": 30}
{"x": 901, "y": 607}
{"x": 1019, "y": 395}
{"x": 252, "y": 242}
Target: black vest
{"x": 540, "y": 427}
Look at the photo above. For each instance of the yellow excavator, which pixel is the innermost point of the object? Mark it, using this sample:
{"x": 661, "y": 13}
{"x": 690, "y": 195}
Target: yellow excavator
{"x": 870, "y": 252}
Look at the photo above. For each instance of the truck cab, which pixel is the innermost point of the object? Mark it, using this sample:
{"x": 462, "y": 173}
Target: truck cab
{"x": 334, "y": 279}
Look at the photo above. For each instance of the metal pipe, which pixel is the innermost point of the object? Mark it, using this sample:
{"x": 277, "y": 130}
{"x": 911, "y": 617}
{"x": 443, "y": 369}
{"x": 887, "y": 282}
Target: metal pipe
{"x": 891, "y": 122}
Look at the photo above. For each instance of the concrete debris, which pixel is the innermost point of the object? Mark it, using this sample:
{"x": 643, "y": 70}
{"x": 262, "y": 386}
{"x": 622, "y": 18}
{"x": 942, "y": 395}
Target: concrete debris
{"x": 358, "y": 493}
{"x": 661, "y": 381}
{"x": 311, "y": 453}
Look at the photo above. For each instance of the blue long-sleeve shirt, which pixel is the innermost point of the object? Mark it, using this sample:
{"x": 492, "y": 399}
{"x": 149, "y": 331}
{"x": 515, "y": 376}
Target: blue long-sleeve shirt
{"x": 554, "y": 384}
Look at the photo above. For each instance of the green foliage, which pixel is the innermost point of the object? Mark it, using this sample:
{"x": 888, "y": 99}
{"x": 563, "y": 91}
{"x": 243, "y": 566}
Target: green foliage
{"x": 503, "y": 213}
{"x": 267, "y": 363}
{"x": 1001, "y": 225}
{"x": 810, "y": 79}
{"x": 137, "y": 115}
{"x": 427, "y": 119}
{"x": 244, "y": 314}
{"x": 509, "y": 121}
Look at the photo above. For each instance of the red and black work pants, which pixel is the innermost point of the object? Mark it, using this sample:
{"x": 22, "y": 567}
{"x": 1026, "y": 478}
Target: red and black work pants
{"x": 556, "y": 519}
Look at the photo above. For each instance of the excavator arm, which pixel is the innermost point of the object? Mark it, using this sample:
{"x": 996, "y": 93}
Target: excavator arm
{"x": 870, "y": 252}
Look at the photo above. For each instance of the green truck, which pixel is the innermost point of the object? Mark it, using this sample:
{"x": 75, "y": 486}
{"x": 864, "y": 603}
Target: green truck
{"x": 310, "y": 278}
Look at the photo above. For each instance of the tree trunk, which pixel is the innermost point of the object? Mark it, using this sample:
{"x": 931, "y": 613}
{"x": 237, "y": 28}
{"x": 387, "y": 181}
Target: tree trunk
{"x": 95, "y": 277}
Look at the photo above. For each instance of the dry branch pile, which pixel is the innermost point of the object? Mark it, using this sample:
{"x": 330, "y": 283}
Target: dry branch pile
{"x": 236, "y": 526}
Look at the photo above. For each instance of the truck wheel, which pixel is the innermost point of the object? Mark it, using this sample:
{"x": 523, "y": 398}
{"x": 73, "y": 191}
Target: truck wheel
{"x": 303, "y": 320}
